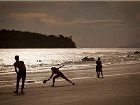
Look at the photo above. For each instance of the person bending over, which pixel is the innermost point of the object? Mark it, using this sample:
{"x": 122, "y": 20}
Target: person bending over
{"x": 57, "y": 74}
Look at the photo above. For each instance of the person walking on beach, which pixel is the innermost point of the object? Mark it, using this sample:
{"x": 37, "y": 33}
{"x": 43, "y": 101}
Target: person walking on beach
{"x": 20, "y": 69}
{"x": 99, "y": 68}
{"x": 58, "y": 74}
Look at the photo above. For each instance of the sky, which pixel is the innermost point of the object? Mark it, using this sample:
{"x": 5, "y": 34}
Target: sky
{"x": 90, "y": 23}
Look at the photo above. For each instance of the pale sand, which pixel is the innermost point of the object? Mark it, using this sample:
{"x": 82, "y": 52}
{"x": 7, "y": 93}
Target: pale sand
{"x": 119, "y": 87}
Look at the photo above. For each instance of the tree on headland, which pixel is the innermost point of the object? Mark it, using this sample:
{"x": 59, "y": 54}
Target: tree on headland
{"x": 20, "y": 39}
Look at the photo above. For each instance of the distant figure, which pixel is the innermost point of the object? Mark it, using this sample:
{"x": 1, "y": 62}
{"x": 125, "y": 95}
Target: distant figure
{"x": 99, "y": 68}
{"x": 128, "y": 56}
{"x": 58, "y": 74}
{"x": 20, "y": 69}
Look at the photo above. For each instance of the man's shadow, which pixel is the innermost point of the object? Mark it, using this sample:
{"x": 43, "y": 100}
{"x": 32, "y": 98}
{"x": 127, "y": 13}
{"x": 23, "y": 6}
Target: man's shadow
{"x": 57, "y": 86}
{"x": 18, "y": 94}
{"x": 11, "y": 93}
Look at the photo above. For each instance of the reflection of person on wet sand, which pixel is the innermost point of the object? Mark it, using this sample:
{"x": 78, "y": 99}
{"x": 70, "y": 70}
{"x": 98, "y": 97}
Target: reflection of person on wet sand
{"x": 20, "y": 69}
{"x": 58, "y": 74}
{"x": 99, "y": 68}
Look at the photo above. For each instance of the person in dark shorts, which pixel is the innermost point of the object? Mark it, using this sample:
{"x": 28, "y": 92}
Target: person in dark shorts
{"x": 20, "y": 69}
{"x": 58, "y": 74}
{"x": 99, "y": 68}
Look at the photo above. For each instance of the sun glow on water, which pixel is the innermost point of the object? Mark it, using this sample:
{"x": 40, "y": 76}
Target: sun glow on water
{"x": 40, "y": 59}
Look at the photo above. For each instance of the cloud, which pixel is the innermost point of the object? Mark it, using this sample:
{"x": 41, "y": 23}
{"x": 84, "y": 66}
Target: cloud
{"x": 38, "y": 19}
{"x": 97, "y": 21}
{"x": 32, "y": 16}
{"x": 94, "y": 22}
{"x": 44, "y": 17}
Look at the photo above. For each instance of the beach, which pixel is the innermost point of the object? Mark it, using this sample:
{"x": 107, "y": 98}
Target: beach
{"x": 120, "y": 86}
{"x": 59, "y": 47}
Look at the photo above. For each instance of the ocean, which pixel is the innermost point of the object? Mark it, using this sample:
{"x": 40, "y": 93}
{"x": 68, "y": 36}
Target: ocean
{"x": 39, "y": 61}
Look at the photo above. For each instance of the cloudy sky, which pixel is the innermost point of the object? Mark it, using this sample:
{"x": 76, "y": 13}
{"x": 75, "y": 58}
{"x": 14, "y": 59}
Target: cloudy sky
{"x": 90, "y": 23}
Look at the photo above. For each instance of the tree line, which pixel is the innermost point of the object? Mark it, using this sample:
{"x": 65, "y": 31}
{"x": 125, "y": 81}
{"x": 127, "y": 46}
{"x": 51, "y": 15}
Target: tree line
{"x": 20, "y": 39}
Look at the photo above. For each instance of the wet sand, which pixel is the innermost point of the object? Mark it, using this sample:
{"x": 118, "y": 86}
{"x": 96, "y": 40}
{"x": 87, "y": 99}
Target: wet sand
{"x": 120, "y": 86}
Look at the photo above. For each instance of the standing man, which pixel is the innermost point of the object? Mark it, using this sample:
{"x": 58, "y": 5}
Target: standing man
{"x": 99, "y": 68}
{"x": 20, "y": 69}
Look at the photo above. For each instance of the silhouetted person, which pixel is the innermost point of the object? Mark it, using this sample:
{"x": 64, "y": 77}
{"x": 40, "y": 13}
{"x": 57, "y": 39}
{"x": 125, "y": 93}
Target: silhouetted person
{"x": 99, "y": 68}
{"x": 20, "y": 69}
{"x": 58, "y": 74}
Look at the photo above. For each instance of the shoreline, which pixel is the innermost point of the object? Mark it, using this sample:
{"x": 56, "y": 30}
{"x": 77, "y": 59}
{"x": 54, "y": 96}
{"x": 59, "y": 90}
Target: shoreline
{"x": 106, "y": 69}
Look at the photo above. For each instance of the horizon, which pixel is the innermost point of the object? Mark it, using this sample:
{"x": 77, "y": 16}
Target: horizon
{"x": 92, "y": 24}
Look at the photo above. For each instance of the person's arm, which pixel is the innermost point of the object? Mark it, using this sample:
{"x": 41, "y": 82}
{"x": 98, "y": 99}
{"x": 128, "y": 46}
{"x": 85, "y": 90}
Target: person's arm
{"x": 24, "y": 66}
{"x": 15, "y": 68}
{"x": 96, "y": 62}
{"x": 50, "y": 76}
{"x": 61, "y": 66}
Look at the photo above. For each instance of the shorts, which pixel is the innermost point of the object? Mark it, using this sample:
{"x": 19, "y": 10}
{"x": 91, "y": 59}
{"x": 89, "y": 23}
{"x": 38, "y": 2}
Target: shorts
{"x": 98, "y": 68}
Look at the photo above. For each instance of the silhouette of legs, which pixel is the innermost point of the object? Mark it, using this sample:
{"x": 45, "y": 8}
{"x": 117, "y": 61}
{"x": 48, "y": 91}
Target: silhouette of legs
{"x": 56, "y": 76}
{"x": 23, "y": 82}
{"x": 98, "y": 74}
{"x": 102, "y": 74}
{"x": 67, "y": 79}
{"x": 61, "y": 75}
{"x": 17, "y": 84}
